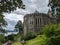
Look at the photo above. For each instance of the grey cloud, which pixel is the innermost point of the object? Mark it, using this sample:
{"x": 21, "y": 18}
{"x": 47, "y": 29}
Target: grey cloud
{"x": 11, "y": 22}
{"x": 9, "y": 27}
{"x": 36, "y": 5}
{"x": 20, "y": 12}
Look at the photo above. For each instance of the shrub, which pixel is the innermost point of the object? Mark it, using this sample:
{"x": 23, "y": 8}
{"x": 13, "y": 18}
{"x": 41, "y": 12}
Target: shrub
{"x": 28, "y": 36}
{"x": 55, "y": 40}
{"x": 51, "y": 30}
{"x": 17, "y": 37}
{"x": 11, "y": 37}
{"x": 0, "y": 43}
{"x": 2, "y": 39}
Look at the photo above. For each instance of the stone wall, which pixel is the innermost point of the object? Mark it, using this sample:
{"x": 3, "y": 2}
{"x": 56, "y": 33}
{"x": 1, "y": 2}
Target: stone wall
{"x": 36, "y": 21}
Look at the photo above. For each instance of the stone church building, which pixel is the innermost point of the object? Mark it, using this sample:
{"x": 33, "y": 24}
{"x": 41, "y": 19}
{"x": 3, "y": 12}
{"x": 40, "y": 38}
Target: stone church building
{"x": 34, "y": 22}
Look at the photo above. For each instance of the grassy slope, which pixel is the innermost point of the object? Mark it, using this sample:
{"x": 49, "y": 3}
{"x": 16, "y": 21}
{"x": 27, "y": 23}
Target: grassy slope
{"x": 39, "y": 40}
{"x": 16, "y": 43}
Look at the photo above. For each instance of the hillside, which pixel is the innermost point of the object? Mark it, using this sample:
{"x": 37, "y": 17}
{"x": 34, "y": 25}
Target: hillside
{"x": 39, "y": 40}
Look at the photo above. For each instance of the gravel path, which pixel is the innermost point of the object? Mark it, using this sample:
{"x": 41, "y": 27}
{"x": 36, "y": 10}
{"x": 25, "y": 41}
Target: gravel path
{"x": 8, "y": 43}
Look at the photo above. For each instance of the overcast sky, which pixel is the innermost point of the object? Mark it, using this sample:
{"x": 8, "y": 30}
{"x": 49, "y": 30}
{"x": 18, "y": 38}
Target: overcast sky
{"x": 30, "y": 7}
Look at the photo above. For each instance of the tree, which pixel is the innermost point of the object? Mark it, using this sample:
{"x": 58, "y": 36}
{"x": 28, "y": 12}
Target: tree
{"x": 55, "y": 40}
{"x": 53, "y": 4}
{"x": 55, "y": 7}
{"x": 49, "y": 30}
{"x": 52, "y": 32}
{"x": 2, "y": 20}
{"x": 19, "y": 26}
{"x": 10, "y": 5}
{"x": 3, "y": 23}
{"x": 2, "y": 39}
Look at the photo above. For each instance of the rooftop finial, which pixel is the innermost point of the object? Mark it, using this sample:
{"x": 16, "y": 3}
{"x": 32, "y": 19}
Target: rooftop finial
{"x": 36, "y": 11}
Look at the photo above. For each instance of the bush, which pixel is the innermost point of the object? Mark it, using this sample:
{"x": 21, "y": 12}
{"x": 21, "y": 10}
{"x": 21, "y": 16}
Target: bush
{"x": 17, "y": 37}
{"x": 28, "y": 36}
{"x": 2, "y": 39}
{"x": 11, "y": 37}
{"x": 51, "y": 30}
{"x": 55, "y": 40}
{"x": 0, "y": 43}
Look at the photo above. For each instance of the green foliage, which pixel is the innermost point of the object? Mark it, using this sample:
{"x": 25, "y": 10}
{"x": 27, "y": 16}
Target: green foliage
{"x": 0, "y": 43}
{"x": 11, "y": 37}
{"x": 49, "y": 30}
{"x": 19, "y": 26}
{"x": 52, "y": 32}
{"x": 3, "y": 23}
{"x": 2, "y": 30}
{"x": 54, "y": 40}
{"x": 2, "y": 39}
{"x": 58, "y": 16}
{"x": 39, "y": 40}
{"x": 53, "y": 4}
{"x": 16, "y": 43}
{"x": 10, "y": 5}
{"x": 17, "y": 37}
{"x": 28, "y": 36}
{"x": 2, "y": 20}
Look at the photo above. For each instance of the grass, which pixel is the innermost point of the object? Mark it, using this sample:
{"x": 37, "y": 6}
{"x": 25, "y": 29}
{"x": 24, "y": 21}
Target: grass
{"x": 16, "y": 43}
{"x": 39, "y": 40}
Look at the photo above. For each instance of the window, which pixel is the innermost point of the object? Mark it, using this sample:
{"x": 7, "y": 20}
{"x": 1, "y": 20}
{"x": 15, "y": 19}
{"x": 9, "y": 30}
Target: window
{"x": 36, "y": 21}
{"x": 40, "y": 20}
